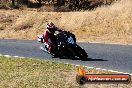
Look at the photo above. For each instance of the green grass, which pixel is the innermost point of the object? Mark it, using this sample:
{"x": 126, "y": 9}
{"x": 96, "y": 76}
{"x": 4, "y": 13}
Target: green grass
{"x": 32, "y": 73}
{"x": 38, "y": 73}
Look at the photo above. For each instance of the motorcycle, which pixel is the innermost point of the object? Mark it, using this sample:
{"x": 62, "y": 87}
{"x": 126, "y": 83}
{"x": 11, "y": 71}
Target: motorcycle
{"x": 66, "y": 46}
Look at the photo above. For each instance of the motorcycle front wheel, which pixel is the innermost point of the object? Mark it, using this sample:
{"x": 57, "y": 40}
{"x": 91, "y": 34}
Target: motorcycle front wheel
{"x": 81, "y": 53}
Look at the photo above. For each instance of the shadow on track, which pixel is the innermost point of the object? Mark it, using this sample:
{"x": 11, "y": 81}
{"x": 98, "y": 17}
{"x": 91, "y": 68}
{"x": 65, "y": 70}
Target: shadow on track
{"x": 88, "y": 59}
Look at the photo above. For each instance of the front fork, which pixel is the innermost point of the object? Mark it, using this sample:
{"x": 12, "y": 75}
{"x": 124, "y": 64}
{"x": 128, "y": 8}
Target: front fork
{"x": 45, "y": 48}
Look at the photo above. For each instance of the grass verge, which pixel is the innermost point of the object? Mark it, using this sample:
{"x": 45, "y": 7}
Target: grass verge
{"x": 37, "y": 73}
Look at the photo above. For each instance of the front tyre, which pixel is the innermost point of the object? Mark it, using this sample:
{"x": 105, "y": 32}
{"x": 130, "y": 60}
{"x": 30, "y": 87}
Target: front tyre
{"x": 81, "y": 53}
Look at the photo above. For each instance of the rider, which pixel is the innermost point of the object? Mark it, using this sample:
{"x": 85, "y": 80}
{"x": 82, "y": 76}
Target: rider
{"x": 49, "y": 38}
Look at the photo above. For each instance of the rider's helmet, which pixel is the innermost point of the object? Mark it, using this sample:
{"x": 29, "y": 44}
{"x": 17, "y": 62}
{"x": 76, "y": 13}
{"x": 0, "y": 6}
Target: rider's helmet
{"x": 51, "y": 27}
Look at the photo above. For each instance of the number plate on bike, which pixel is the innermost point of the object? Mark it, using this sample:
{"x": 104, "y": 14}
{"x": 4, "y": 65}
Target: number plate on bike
{"x": 70, "y": 40}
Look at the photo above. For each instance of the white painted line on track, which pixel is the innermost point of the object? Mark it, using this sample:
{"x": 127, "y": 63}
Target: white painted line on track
{"x": 98, "y": 68}
{"x": 15, "y": 56}
{"x": 7, "y": 55}
{"x": 90, "y": 67}
{"x": 113, "y": 71}
{"x": 110, "y": 70}
{"x": 104, "y": 69}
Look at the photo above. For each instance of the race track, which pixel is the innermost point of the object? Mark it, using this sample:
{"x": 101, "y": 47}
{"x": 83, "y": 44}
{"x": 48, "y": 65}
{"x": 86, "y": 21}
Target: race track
{"x": 106, "y": 56}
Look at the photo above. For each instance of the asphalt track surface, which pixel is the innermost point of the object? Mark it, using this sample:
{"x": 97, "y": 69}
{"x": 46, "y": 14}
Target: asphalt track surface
{"x": 106, "y": 56}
